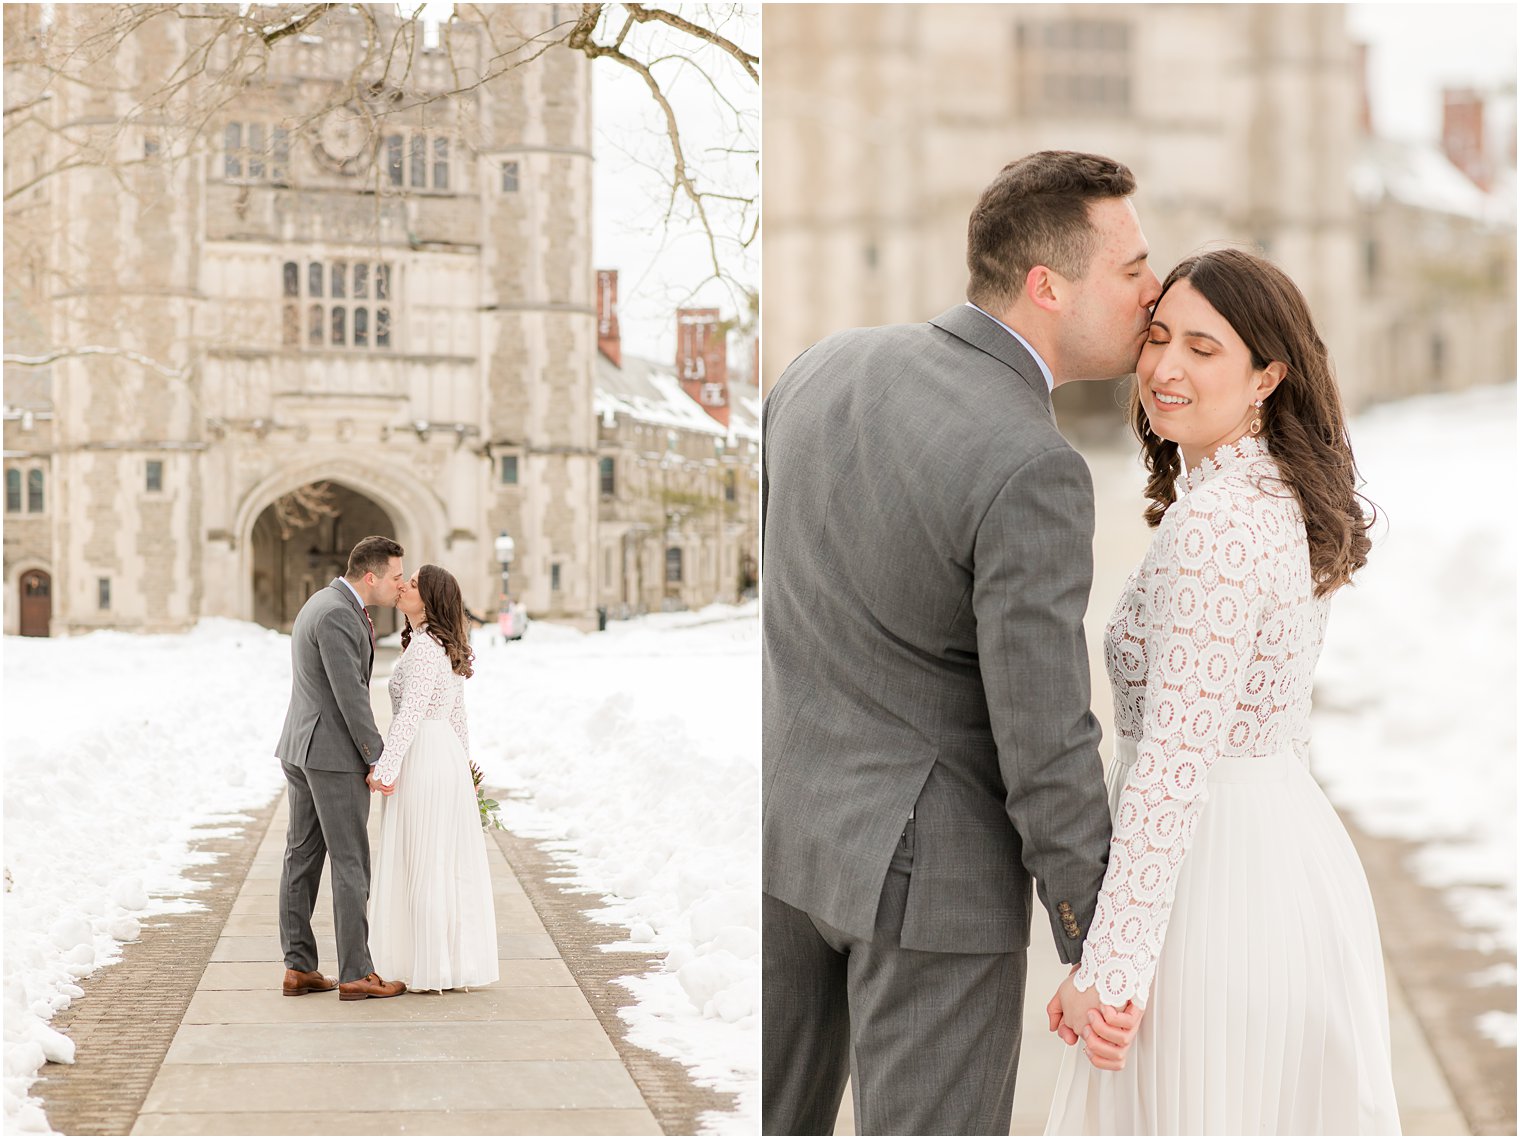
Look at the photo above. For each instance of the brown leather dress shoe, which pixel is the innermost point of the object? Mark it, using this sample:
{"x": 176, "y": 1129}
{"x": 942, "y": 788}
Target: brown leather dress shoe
{"x": 299, "y": 982}
{"x": 371, "y": 986}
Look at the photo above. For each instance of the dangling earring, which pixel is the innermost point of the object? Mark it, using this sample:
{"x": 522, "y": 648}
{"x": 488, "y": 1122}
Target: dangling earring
{"x": 1256, "y": 423}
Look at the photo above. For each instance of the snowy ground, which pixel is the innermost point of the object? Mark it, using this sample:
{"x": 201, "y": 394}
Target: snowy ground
{"x": 639, "y": 748}
{"x": 1414, "y": 726}
{"x": 117, "y": 747}
{"x": 638, "y": 753}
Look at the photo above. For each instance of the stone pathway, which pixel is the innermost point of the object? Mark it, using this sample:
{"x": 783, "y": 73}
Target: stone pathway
{"x": 525, "y": 1056}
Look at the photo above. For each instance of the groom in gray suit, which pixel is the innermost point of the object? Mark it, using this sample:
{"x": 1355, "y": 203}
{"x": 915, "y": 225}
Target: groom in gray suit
{"x": 928, "y": 742}
{"x": 328, "y": 748}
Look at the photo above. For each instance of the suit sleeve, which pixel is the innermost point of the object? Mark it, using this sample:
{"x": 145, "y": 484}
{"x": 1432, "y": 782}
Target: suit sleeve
{"x": 765, "y": 478}
{"x": 1033, "y": 573}
{"x": 343, "y": 647}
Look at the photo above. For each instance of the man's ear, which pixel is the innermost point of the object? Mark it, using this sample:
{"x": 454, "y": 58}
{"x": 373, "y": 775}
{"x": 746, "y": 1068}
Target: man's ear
{"x": 1043, "y": 286}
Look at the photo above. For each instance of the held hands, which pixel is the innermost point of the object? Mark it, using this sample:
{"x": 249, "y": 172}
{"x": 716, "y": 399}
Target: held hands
{"x": 1106, "y": 1033}
{"x": 373, "y": 782}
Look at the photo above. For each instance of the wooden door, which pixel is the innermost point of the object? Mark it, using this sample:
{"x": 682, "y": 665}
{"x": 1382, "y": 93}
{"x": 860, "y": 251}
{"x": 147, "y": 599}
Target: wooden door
{"x": 36, "y": 603}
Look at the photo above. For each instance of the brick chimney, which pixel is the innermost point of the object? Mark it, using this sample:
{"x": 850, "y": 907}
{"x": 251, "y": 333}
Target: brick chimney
{"x": 608, "y": 339}
{"x": 702, "y": 360}
{"x": 1364, "y": 111}
{"x": 1462, "y": 134}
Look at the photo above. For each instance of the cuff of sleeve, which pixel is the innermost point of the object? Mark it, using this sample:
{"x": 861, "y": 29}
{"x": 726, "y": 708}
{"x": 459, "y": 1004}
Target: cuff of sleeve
{"x": 1088, "y": 977}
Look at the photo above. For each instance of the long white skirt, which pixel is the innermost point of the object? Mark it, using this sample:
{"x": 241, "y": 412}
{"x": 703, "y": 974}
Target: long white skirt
{"x": 1269, "y": 1011}
{"x": 432, "y": 922}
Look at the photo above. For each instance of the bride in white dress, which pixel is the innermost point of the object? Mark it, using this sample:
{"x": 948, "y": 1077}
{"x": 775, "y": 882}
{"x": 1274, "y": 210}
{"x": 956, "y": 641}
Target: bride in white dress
{"x": 1234, "y": 913}
{"x": 432, "y": 921}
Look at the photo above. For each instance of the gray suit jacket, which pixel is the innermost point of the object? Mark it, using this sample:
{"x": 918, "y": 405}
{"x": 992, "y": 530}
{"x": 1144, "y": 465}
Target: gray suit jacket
{"x": 927, "y": 557}
{"x": 330, "y": 725}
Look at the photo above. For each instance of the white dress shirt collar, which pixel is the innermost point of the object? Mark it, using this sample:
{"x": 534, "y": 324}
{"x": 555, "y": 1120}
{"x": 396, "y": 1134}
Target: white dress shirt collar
{"x": 352, "y": 590}
{"x": 1050, "y": 381}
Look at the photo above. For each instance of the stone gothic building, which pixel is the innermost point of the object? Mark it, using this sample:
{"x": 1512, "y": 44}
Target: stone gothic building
{"x": 1243, "y": 123}
{"x": 296, "y": 321}
{"x": 679, "y": 469}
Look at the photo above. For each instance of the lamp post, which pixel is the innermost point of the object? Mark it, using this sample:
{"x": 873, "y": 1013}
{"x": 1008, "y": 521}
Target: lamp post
{"x": 505, "y": 548}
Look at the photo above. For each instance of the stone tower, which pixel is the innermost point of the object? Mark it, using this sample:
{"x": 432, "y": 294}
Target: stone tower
{"x": 325, "y": 316}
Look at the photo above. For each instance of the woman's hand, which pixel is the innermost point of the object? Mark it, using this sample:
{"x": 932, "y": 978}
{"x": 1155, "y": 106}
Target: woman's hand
{"x": 1106, "y": 1033}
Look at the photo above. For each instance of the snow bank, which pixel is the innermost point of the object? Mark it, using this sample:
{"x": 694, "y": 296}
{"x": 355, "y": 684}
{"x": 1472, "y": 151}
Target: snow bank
{"x": 119, "y": 749}
{"x": 639, "y": 751}
{"x": 1414, "y": 724}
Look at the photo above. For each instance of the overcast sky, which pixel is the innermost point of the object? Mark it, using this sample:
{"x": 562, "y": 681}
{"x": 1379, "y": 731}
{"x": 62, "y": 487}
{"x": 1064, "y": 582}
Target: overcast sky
{"x": 1419, "y": 48}
{"x": 662, "y": 262}
{"x": 659, "y": 264}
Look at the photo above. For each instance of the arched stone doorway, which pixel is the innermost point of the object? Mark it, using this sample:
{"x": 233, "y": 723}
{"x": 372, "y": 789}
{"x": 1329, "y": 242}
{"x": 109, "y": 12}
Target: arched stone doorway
{"x": 301, "y": 542}
{"x": 36, "y": 615}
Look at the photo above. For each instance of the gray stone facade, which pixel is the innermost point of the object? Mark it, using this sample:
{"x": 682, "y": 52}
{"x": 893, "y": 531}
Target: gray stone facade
{"x": 679, "y": 491}
{"x": 1243, "y": 124}
{"x": 253, "y": 260}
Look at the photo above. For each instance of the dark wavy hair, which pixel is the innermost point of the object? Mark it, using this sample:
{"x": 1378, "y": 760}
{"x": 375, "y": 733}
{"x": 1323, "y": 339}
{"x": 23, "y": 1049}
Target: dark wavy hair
{"x": 1303, "y": 422}
{"x": 443, "y": 610}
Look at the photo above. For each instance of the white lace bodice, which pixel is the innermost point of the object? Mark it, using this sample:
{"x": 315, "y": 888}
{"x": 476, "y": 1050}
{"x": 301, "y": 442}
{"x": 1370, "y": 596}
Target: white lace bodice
{"x": 423, "y": 686}
{"x": 1210, "y": 652}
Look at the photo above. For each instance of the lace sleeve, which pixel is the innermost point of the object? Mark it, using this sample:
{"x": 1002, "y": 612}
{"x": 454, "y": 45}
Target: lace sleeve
{"x": 460, "y": 722}
{"x": 1203, "y": 602}
{"x": 425, "y": 671}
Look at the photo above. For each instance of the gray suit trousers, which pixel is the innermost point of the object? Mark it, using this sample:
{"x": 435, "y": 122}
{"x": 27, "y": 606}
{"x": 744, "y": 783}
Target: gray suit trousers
{"x": 328, "y": 814}
{"x": 935, "y": 1035}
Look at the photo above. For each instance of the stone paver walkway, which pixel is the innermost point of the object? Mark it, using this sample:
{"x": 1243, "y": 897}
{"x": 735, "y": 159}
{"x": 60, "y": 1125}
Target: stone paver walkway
{"x": 524, "y": 1056}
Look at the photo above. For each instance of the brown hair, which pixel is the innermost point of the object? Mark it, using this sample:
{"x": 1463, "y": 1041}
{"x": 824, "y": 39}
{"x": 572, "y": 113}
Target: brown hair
{"x": 443, "y": 609}
{"x": 1303, "y": 422}
{"x": 372, "y": 555}
{"x": 1035, "y": 213}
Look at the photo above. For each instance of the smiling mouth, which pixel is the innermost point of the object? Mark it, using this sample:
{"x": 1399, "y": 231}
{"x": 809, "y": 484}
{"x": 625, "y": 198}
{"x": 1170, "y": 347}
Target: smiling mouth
{"x": 1170, "y": 400}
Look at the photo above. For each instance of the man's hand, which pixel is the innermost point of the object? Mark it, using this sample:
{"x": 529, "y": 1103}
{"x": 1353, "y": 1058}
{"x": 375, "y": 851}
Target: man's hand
{"x": 1106, "y": 1033}
{"x": 1056, "y": 1011}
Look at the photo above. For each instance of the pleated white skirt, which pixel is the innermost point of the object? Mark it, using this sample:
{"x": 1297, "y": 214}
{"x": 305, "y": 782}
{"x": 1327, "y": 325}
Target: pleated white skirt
{"x": 1269, "y": 1010}
{"x": 432, "y": 922}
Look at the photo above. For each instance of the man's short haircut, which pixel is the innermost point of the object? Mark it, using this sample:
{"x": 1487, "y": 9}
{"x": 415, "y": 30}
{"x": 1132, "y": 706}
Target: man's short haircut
{"x": 1035, "y": 213}
{"x": 372, "y": 555}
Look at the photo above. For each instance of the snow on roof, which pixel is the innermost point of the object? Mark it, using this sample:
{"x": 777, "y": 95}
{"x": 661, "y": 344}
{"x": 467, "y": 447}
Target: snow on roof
{"x": 650, "y": 393}
{"x": 1418, "y": 174}
{"x": 743, "y": 411}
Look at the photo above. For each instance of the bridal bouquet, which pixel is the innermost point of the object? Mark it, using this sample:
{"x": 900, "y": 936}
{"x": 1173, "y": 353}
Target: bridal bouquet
{"x": 488, "y": 816}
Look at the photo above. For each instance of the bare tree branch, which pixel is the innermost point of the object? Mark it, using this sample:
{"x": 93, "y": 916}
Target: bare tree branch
{"x": 304, "y": 507}
{"x": 581, "y": 40}
{"x": 57, "y": 354}
{"x": 274, "y": 35}
{"x": 750, "y": 63}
